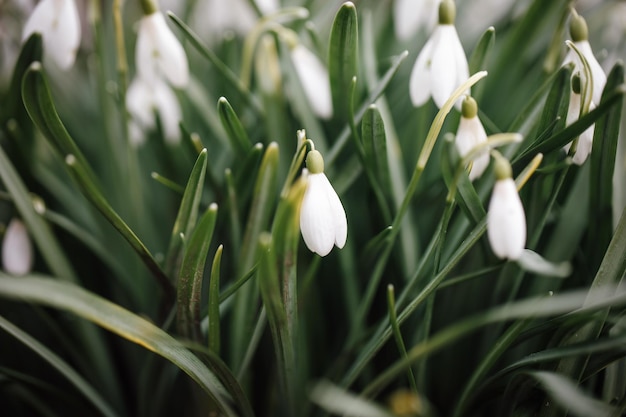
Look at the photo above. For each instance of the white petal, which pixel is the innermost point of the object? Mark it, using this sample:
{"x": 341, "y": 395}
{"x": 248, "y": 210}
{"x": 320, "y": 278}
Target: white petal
{"x": 420, "y": 83}
{"x": 506, "y": 221}
{"x": 267, "y": 6}
{"x": 314, "y": 79}
{"x": 322, "y": 218}
{"x": 17, "y": 250}
{"x": 447, "y": 66}
{"x": 411, "y": 15}
{"x": 140, "y": 103}
{"x": 212, "y": 19}
{"x": 169, "y": 110}
{"x": 470, "y": 134}
{"x": 585, "y": 140}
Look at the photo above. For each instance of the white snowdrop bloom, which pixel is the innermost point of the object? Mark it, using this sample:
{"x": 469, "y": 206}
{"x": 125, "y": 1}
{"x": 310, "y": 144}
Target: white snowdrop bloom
{"x": 506, "y": 221}
{"x": 585, "y": 140}
{"x": 470, "y": 134}
{"x": 315, "y": 80}
{"x": 579, "y": 32}
{"x": 17, "y": 250}
{"x": 441, "y": 66}
{"x": 411, "y": 15}
{"x": 143, "y": 101}
{"x": 158, "y": 53}
{"x": 212, "y": 19}
{"x": 59, "y": 25}
{"x": 323, "y": 220}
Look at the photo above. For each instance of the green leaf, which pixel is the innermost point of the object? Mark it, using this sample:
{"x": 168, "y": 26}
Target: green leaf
{"x": 480, "y": 55}
{"x": 214, "y": 303}
{"x": 533, "y": 262}
{"x": 234, "y": 129}
{"x": 375, "y": 146}
{"x": 342, "y": 57}
{"x": 73, "y": 299}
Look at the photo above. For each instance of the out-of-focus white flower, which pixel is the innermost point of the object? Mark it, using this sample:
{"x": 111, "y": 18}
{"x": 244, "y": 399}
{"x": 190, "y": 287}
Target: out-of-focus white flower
{"x": 506, "y": 221}
{"x": 470, "y": 134}
{"x": 323, "y": 220}
{"x": 144, "y": 101}
{"x": 314, "y": 78}
{"x": 212, "y": 19}
{"x": 585, "y": 140}
{"x": 17, "y": 249}
{"x": 411, "y": 15}
{"x": 579, "y": 33}
{"x": 158, "y": 53}
{"x": 59, "y": 25}
{"x": 441, "y": 66}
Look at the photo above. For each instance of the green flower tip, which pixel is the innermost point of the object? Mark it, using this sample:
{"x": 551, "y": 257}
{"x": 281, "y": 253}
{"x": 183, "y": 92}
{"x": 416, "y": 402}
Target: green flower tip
{"x": 315, "y": 162}
{"x": 149, "y": 6}
{"x": 502, "y": 168}
{"x": 447, "y": 12}
{"x": 578, "y": 28}
{"x": 469, "y": 108}
{"x": 576, "y": 83}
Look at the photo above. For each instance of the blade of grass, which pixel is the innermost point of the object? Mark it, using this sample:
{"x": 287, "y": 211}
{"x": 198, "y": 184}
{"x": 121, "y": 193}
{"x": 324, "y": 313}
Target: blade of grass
{"x": 342, "y": 57}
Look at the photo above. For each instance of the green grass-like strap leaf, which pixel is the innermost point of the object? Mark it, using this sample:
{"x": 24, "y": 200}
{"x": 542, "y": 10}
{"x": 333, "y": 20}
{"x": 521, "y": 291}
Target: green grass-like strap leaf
{"x": 342, "y": 56}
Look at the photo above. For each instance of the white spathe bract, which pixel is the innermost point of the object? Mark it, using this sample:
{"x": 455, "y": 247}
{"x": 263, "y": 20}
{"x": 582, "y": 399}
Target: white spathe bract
{"x": 506, "y": 221}
{"x": 158, "y": 53}
{"x": 470, "y": 134}
{"x": 323, "y": 220}
{"x": 17, "y": 250}
{"x": 143, "y": 101}
{"x": 597, "y": 73}
{"x": 315, "y": 80}
{"x": 585, "y": 140}
{"x": 441, "y": 67}
{"x": 59, "y": 25}
{"x": 411, "y": 15}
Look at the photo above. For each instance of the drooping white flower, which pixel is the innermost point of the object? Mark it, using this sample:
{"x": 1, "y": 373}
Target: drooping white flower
{"x": 441, "y": 66}
{"x": 470, "y": 134}
{"x": 579, "y": 32}
{"x": 144, "y": 101}
{"x": 315, "y": 80}
{"x": 59, "y": 25}
{"x": 585, "y": 140}
{"x": 323, "y": 220}
{"x": 410, "y": 15}
{"x": 158, "y": 53}
{"x": 17, "y": 249}
{"x": 506, "y": 221}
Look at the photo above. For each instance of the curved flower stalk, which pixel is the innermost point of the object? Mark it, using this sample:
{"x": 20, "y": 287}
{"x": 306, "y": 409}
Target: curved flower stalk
{"x": 441, "y": 66}
{"x": 580, "y": 37}
{"x": 315, "y": 80}
{"x": 59, "y": 25}
{"x": 470, "y": 134}
{"x": 323, "y": 220}
{"x": 17, "y": 249}
{"x": 585, "y": 140}
{"x": 158, "y": 53}
{"x": 506, "y": 220}
{"x": 411, "y": 15}
{"x": 144, "y": 101}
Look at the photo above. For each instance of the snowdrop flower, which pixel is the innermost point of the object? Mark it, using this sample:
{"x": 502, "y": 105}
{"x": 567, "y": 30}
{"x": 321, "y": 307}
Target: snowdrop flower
{"x": 59, "y": 25}
{"x": 410, "y": 15}
{"x": 214, "y": 18}
{"x": 322, "y": 217}
{"x": 315, "y": 80}
{"x": 506, "y": 221}
{"x": 470, "y": 134}
{"x": 158, "y": 53}
{"x": 143, "y": 101}
{"x": 441, "y": 66}
{"x": 585, "y": 140}
{"x": 579, "y": 32}
{"x": 17, "y": 250}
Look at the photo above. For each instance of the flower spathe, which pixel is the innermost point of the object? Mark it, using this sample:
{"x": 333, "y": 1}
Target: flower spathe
{"x": 441, "y": 66}
{"x": 315, "y": 80}
{"x": 17, "y": 250}
{"x": 59, "y": 25}
{"x": 158, "y": 53}
{"x": 471, "y": 133}
{"x": 323, "y": 222}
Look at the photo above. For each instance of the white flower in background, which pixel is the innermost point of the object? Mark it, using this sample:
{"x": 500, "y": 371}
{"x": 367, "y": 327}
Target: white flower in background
{"x": 59, "y": 25}
{"x": 585, "y": 140}
{"x": 322, "y": 217}
{"x": 579, "y": 33}
{"x": 441, "y": 66}
{"x": 411, "y": 15}
{"x": 144, "y": 101}
{"x": 506, "y": 221}
{"x": 17, "y": 250}
{"x": 212, "y": 19}
{"x": 314, "y": 78}
{"x": 158, "y": 53}
{"x": 470, "y": 134}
